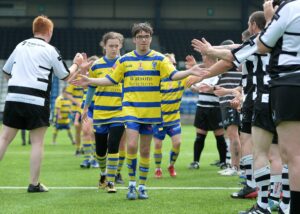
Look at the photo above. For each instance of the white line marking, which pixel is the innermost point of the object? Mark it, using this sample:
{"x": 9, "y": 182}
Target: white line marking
{"x": 150, "y": 188}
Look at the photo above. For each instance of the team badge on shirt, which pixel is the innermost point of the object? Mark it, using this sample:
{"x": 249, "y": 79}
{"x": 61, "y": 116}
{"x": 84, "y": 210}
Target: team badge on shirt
{"x": 140, "y": 66}
{"x": 154, "y": 64}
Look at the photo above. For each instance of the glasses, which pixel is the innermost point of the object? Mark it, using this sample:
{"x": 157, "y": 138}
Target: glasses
{"x": 141, "y": 37}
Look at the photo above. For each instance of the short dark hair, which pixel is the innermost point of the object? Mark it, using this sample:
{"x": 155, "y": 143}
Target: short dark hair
{"x": 259, "y": 18}
{"x": 138, "y": 27}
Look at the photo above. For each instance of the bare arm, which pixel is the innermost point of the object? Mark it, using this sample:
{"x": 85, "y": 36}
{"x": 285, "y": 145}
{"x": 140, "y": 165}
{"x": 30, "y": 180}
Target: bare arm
{"x": 218, "y": 68}
{"x": 204, "y": 47}
{"x": 85, "y": 81}
{"x": 6, "y": 76}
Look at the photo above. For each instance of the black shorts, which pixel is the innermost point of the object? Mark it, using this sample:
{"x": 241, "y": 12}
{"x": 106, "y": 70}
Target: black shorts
{"x": 262, "y": 118}
{"x": 246, "y": 120}
{"x": 285, "y": 103}
{"x": 25, "y": 116}
{"x": 208, "y": 119}
{"x": 230, "y": 116}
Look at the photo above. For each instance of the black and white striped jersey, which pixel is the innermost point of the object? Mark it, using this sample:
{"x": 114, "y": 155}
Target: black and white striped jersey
{"x": 260, "y": 77}
{"x": 208, "y": 100}
{"x": 31, "y": 66}
{"x": 282, "y": 35}
{"x": 230, "y": 79}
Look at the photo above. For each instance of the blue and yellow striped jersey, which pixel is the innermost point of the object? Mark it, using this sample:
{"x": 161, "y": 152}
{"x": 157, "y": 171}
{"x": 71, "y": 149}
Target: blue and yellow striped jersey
{"x": 107, "y": 99}
{"x": 142, "y": 76}
{"x": 77, "y": 93}
{"x": 171, "y": 94}
{"x": 64, "y": 106}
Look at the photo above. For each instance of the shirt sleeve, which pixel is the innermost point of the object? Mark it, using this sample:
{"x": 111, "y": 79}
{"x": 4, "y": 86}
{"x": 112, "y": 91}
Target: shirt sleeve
{"x": 166, "y": 69}
{"x": 118, "y": 72}
{"x": 59, "y": 66}
{"x": 7, "y": 68}
{"x": 276, "y": 28}
{"x": 242, "y": 53}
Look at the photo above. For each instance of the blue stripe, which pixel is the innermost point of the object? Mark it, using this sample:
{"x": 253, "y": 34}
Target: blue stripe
{"x": 111, "y": 175}
{"x": 109, "y": 94}
{"x": 142, "y": 73}
{"x": 169, "y": 112}
{"x": 166, "y": 80}
{"x": 112, "y": 167}
{"x": 144, "y": 58}
{"x": 99, "y": 66}
{"x": 143, "y": 178}
{"x": 142, "y": 88}
{"x": 108, "y": 108}
{"x": 172, "y": 74}
{"x": 78, "y": 89}
{"x": 113, "y": 159}
{"x": 108, "y": 77}
{"x": 91, "y": 86}
{"x": 142, "y": 104}
{"x": 170, "y": 101}
{"x": 172, "y": 90}
{"x": 131, "y": 174}
{"x": 143, "y": 120}
{"x": 77, "y": 96}
{"x": 171, "y": 123}
{"x": 109, "y": 120}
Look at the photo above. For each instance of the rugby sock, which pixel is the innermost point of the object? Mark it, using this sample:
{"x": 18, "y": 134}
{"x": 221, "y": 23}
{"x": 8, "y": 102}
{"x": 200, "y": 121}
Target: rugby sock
{"x": 198, "y": 146}
{"x": 174, "y": 155}
{"x": 228, "y": 154}
{"x": 221, "y": 146}
{"x": 286, "y": 194}
{"x": 157, "y": 157}
{"x": 275, "y": 191}
{"x": 262, "y": 178}
{"x": 131, "y": 164}
{"x": 87, "y": 149}
{"x": 102, "y": 163}
{"x": 122, "y": 154}
{"x": 112, "y": 166}
{"x": 143, "y": 170}
{"x": 295, "y": 205}
{"x": 248, "y": 165}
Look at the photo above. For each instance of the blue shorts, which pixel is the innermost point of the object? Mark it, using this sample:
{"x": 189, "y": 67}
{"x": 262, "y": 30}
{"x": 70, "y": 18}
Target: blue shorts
{"x": 160, "y": 132}
{"x": 140, "y": 127}
{"x": 91, "y": 110}
{"x": 62, "y": 126}
{"x": 104, "y": 128}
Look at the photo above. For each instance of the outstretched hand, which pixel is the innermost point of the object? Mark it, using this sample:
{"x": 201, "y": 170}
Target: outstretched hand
{"x": 81, "y": 80}
{"x": 190, "y": 61}
{"x": 202, "y": 46}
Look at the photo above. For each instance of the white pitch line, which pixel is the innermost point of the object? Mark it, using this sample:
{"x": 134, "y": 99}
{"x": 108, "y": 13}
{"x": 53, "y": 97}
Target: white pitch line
{"x": 150, "y": 188}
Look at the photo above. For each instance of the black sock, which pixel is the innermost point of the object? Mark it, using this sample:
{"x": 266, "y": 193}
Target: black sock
{"x": 222, "y": 148}
{"x": 295, "y": 205}
{"x": 198, "y": 146}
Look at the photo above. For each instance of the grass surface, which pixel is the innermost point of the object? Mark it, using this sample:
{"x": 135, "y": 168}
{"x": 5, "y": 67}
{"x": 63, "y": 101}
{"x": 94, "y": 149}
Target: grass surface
{"x": 61, "y": 169}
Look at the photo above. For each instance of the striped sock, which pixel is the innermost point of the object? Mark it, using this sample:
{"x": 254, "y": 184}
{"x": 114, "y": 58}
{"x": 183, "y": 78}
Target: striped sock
{"x": 248, "y": 164}
{"x": 122, "y": 155}
{"x": 262, "y": 178}
{"x": 157, "y": 157}
{"x": 131, "y": 164}
{"x": 174, "y": 155}
{"x": 275, "y": 191}
{"x": 143, "y": 170}
{"x": 88, "y": 149}
{"x": 102, "y": 163}
{"x": 112, "y": 166}
{"x": 286, "y": 194}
